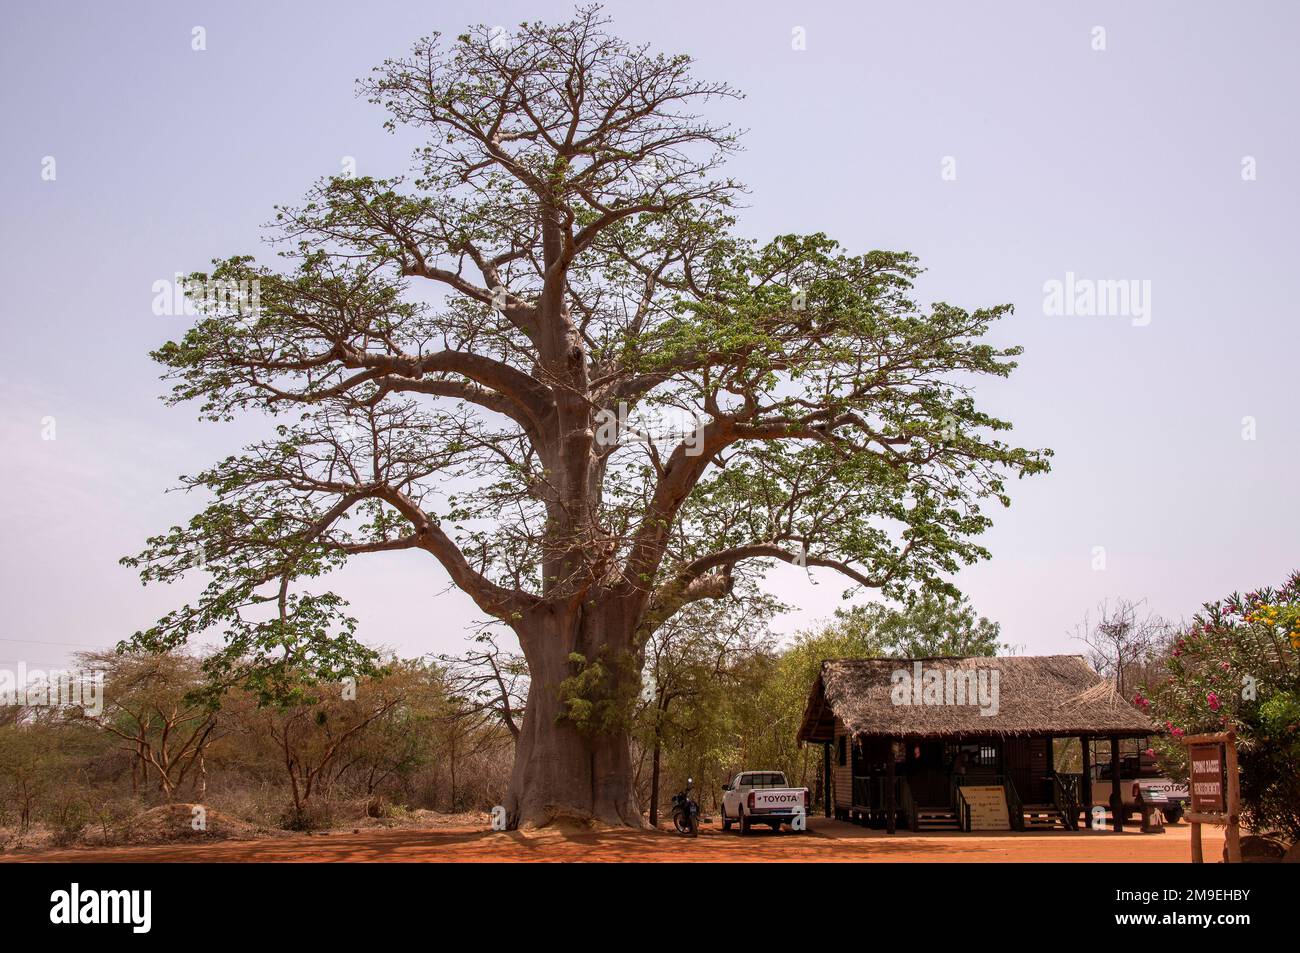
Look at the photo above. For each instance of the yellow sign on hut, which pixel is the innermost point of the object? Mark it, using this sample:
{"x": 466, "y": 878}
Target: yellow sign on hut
{"x": 985, "y": 807}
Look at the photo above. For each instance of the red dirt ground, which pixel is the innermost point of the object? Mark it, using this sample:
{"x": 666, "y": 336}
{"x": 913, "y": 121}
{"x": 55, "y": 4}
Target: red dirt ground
{"x": 825, "y": 840}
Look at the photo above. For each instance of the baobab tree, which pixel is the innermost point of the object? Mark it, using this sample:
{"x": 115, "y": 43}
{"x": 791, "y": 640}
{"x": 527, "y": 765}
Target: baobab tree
{"x": 546, "y": 359}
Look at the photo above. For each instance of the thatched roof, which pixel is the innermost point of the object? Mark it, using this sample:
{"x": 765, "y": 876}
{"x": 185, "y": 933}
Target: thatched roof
{"x": 1037, "y": 695}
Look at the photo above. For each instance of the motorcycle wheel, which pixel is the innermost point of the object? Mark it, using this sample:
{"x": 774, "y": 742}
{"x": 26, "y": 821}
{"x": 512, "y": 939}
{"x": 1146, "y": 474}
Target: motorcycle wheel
{"x": 681, "y": 823}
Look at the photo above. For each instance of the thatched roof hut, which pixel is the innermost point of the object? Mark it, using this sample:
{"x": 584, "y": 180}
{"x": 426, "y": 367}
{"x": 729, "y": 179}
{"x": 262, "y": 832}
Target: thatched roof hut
{"x": 923, "y": 740}
{"x": 1037, "y": 695}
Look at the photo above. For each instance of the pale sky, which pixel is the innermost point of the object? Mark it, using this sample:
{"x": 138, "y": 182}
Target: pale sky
{"x": 1169, "y": 157}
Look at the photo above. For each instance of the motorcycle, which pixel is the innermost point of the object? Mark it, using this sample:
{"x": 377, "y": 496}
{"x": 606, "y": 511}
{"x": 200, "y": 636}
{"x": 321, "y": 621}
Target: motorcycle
{"x": 686, "y": 813}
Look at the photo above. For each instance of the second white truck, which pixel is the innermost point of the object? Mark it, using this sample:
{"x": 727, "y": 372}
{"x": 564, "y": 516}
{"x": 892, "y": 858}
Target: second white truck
{"x": 1149, "y": 786}
{"x": 763, "y": 797}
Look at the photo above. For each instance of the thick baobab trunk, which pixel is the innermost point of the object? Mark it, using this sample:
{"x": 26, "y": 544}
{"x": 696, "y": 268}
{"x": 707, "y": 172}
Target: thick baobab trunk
{"x": 563, "y": 772}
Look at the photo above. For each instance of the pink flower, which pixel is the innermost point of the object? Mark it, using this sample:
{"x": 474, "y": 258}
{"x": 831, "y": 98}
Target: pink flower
{"x": 1213, "y": 699}
{"x": 1140, "y": 701}
{"x": 1226, "y": 666}
{"x": 1150, "y": 752}
{"x": 1178, "y": 732}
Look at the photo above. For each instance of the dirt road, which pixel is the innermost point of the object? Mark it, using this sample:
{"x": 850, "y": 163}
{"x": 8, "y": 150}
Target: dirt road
{"x": 825, "y": 840}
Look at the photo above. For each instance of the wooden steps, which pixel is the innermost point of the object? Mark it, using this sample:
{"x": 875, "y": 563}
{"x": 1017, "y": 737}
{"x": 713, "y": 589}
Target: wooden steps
{"x": 1043, "y": 817}
{"x": 937, "y": 819}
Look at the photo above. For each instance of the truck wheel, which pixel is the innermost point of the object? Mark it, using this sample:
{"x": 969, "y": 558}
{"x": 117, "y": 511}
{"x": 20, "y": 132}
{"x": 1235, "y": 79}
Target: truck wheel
{"x": 1173, "y": 813}
{"x": 776, "y": 826}
{"x": 726, "y": 821}
{"x": 744, "y": 823}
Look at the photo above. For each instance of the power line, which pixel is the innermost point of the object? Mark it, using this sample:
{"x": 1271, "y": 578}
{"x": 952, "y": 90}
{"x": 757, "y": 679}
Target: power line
{"x": 44, "y": 663}
{"x": 86, "y": 645}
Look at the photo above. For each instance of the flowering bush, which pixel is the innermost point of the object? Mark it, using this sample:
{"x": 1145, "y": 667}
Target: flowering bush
{"x": 1237, "y": 666}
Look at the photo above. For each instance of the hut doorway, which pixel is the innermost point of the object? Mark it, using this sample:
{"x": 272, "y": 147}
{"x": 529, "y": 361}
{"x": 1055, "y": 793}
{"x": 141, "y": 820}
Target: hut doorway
{"x": 927, "y": 774}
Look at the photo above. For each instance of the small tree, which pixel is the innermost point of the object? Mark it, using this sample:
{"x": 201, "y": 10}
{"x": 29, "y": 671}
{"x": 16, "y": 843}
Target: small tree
{"x": 404, "y": 737}
{"x": 1122, "y": 640}
{"x": 927, "y": 625}
{"x": 32, "y": 762}
{"x": 489, "y": 683}
{"x": 487, "y": 697}
{"x": 155, "y": 706}
{"x": 690, "y": 665}
{"x": 312, "y": 730}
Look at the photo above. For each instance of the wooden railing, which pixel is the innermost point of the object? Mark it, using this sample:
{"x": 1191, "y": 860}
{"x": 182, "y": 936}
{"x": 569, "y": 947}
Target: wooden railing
{"x": 954, "y": 792}
{"x": 862, "y": 793}
{"x": 872, "y": 794}
{"x": 1065, "y": 795}
{"x": 1014, "y": 806}
{"x": 1073, "y": 785}
{"x": 1077, "y": 784}
{"x": 963, "y": 807}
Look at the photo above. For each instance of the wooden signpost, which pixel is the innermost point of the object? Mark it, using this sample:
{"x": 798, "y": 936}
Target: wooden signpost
{"x": 1215, "y": 788}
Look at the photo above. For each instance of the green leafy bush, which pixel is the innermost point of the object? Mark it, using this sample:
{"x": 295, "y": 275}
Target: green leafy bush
{"x": 1237, "y": 666}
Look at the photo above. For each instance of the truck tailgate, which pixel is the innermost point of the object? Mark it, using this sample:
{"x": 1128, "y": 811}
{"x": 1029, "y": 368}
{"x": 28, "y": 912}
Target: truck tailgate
{"x": 777, "y": 800}
{"x": 1161, "y": 790}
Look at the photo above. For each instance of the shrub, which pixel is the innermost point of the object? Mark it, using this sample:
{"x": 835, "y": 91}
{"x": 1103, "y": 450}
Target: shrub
{"x": 1237, "y": 666}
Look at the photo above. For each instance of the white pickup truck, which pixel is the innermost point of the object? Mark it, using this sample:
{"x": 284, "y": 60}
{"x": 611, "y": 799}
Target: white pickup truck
{"x": 1141, "y": 783}
{"x": 763, "y": 797}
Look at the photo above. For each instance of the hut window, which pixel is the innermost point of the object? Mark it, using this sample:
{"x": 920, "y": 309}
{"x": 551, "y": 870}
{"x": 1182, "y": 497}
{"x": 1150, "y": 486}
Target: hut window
{"x": 977, "y": 754}
{"x": 841, "y": 750}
